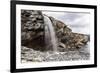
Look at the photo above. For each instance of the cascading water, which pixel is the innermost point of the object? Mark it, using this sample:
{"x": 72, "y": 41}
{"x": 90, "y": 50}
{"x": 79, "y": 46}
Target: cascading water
{"x": 50, "y": 37}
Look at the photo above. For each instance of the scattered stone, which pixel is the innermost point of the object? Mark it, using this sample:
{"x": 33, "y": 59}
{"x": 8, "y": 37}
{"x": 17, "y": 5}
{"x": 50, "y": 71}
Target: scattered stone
{"x": 38, "y": 56}
{"x": 33, "y": 34}
{"x": 34, "y": 48}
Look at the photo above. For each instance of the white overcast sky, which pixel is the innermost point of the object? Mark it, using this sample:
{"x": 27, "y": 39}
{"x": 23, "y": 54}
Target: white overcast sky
{"x": 78, "y": 22}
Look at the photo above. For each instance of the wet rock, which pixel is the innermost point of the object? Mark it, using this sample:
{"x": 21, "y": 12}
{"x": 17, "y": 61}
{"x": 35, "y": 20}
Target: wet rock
{"x": 62, "y": 45}
{"x": 33, "y": 33}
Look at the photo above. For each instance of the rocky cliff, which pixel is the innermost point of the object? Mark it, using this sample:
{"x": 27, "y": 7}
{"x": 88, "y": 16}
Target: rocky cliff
{"x": 33, "y": 32}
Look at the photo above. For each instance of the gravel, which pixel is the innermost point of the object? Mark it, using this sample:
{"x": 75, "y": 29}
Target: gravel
{"x": 31, "y": 55}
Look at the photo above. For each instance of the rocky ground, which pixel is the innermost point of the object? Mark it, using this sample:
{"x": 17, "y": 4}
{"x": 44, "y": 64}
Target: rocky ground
{"x": 71, "y": 45}
{"x": 31, "y": 55}
{"x": 33, "y": 32}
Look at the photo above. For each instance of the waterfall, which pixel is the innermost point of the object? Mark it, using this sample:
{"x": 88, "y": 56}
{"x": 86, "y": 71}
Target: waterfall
{"x": 50, "y": 37}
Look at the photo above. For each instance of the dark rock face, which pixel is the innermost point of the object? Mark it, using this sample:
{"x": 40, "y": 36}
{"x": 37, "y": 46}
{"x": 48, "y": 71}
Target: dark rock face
{"x": 32, "y": 32}
{"x": 32, "y": 28}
